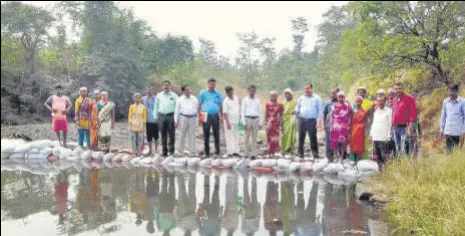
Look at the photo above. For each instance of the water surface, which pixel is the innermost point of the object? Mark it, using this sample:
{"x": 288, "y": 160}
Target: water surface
{"x": 97, "y": 199}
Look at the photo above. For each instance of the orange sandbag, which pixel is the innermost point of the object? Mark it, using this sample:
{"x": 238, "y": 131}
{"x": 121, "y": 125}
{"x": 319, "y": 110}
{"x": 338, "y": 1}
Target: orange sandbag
{"x": 263, "y": 169}
{"x": 52, "y": 158}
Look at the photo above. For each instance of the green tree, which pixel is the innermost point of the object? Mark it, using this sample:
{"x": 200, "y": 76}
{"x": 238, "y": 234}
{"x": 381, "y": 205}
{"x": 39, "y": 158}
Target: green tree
{"x": 30, "y": 24}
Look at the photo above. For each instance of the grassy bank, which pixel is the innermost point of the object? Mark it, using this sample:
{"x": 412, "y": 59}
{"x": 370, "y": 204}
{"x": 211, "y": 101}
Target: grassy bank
{"x": 427, "y": 197}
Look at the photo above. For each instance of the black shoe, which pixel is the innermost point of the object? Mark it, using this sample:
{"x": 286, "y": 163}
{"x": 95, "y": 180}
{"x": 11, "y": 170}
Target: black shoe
{"x": 253, "y": 158}
{"x": 231, "y": 155}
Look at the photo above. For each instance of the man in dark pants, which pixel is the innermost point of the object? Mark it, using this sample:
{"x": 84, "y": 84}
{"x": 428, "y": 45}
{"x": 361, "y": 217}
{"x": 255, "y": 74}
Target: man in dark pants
{"x": 210, "y": 108}
{"x": 165, "y": 106}
{"x": 453, "y": 118}
{"x": 309, "y": 109}
{"x": 151, "y": 126}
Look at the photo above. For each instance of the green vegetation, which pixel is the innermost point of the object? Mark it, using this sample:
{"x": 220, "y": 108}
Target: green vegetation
{"x": 425, "y": 197}
{"x": 419, "y": 42}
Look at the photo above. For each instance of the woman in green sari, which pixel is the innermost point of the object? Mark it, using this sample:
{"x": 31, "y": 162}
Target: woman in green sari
{"x": 288, "y": 136}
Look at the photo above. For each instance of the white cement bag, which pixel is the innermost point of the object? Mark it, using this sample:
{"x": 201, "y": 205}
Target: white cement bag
{"x": 255, "y": 163}
{"x": 108, "y": 156}
{"x": 86, "y": 155}
{"x": 157, "y": 160}
{"x": 242, "y": 164}
{"x": 283, "y": 163}
{"x": 230, "y": 163}
{"x": 193, "y": 161}
{"x": 216, "y": 162}
{"x": 37, "y": 156}
{"x": 332, "y": 179}
{"x": 319, "y": 166}
{"x": 349, "y": 174}
{"x": 117, "y": 158}
{"x": 136, "y": 159}
{"x": 306, "y": 166}
{"x": 205, "y": 162}
{"x": 20, "y": 155}
{"x": 269, "y": 163}
{"x": 9, "y": 145}
{"x": 294, "y": 166}
{"x": 22, "y": 148}
{"x": 181, "y": 161}
{"x": 127, "y": 158}
{"x": 146, "y": 160}
{"x": 97, "y": 155}
{"x": 167, "y": 160}
{"x": 77, "y": 152}
{"x": 367, "y": 165}
{"x": 333, "y": 168}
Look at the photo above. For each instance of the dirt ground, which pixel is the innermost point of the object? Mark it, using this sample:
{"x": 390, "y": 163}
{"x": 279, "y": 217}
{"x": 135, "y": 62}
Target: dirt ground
{"x": 120, "y": 137}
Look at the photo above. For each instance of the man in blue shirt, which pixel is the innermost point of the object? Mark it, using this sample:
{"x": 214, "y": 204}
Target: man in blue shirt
{"x": 210, "y": 102}
{"x": 453, "y": 118}
{"x": 309, "y": 109}
{"x": 151, "y": 125}
{"x": 327, "y": 121}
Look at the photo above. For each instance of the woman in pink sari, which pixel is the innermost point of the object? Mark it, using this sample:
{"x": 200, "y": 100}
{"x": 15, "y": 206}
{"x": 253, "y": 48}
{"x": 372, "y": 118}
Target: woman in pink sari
{"x": 341, "y": 115}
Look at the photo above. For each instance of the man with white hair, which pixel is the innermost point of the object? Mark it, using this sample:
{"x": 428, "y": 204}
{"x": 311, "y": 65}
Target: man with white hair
{"x": 82, "y": 111}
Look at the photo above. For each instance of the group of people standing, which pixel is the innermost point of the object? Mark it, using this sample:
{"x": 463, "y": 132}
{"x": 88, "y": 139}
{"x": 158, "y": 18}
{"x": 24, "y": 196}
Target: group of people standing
{"x": 390, "y": 123}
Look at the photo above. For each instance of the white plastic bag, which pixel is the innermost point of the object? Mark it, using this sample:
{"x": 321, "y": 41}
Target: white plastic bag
{"x": 242, "y": 164}
{"x": 126, "y": 158}
{"x": 367, "y": 165}
{"x": 306, "y": 166}
{"x": 181, "y": 161}
{"x": 146, "y": 160}
{"x": 157, "y": 160}
{"x": 216, "y": 162}
{"x": 22, "y": 148}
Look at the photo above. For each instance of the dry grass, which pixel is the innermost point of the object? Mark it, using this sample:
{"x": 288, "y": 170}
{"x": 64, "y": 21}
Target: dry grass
{"x": 427, "y": 197}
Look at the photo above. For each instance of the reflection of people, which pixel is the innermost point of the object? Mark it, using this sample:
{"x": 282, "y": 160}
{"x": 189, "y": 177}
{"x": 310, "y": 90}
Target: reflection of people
{"x": 185, "y": 206}
{"x": 335, "y": 209}
{"x": 306, "y": 222}
{"x": 106, "y": 193}
{"x": 231, "y": 215}
{"x": 138, "y": 202}
{"x": 270, "y": 210}
{"x": 61, "y": 196}
{"x": 152, "y": 193}
{"x": 209, "y": 211}
{"x": 88, "y": 195}
{"x": 164, "y": 215}
{"x": 287, "y": 207}
{"x": 251, "y": 217}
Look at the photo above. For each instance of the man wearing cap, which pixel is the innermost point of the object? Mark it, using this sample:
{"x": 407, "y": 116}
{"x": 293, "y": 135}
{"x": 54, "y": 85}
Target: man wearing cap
{"x": 59, "y": 105}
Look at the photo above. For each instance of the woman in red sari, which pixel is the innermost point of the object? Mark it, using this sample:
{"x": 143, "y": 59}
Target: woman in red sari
{"x": 357, "y": 130}
{"x": 274, "y": 114}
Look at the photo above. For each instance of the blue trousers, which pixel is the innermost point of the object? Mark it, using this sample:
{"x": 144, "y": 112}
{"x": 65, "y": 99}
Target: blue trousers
{"x": 83, "y": 133}
{"x": 400, "y": 139}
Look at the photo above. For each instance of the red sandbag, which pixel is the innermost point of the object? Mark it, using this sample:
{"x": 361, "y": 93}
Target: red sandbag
{"x": 221, "y": 167}
{"x": 53, "y": 158}
{"x": 263, "y": 169}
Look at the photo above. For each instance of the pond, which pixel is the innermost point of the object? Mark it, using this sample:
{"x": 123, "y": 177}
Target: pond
{"x": 78, "y": 198}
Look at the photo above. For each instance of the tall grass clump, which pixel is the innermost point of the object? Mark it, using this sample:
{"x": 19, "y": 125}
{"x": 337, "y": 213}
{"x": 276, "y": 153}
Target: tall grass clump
{"x": 426, "y": 197}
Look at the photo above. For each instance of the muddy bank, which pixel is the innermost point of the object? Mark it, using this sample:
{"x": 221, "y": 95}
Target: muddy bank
{"x": 120, "y": 137}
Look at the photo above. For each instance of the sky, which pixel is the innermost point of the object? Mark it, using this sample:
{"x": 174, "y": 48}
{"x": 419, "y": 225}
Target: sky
{"x": 221, "y": 21}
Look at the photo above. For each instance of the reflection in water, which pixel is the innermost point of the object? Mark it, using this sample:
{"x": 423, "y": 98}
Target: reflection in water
{"x": 142, "y": 200}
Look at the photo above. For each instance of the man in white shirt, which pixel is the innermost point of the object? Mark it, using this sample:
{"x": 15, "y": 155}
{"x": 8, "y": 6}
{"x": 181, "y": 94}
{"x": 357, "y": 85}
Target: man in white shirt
{"x": 252, "y": 121}
{"x": 185, "y": 117}
{"x": 381, "y": 130}
{"x": 231, "y": 114}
